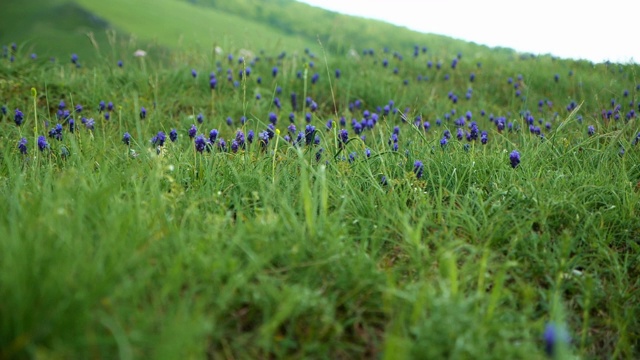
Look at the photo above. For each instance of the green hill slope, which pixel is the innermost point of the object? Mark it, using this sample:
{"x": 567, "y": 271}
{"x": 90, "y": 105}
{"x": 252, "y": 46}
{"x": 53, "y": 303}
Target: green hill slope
{"x": 60, "y": 27}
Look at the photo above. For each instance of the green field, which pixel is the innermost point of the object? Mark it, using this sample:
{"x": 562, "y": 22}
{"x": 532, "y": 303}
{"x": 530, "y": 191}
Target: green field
{"x": 374, "y": 238}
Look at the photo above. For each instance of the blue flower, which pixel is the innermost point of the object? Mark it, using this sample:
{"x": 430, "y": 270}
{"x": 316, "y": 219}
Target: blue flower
{"x": 194, "y": 73}
{"x": 213, "y": 135}
{"x": 18, "y": 117}
{"x": 22, "y": 145}
{"x": 514, "y": 157}
{"x": 553, "y": 336}
{"x": 159, "y": 139}
{"x": 42, "y": 143}
{"x": 143, "y": 112}
{"x": 200, "y": 143}
{"x": 126, "y": 138}
{"x": 74, "y": 59}
{"x": 418, "y": 168}
{"x": 173, "y": 135}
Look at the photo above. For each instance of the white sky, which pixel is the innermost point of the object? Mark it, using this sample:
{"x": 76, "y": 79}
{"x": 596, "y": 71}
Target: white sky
{"x": 587, "y": 29}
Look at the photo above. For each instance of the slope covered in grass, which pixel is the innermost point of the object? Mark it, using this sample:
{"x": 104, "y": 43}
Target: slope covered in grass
{"x": 406, "y": 210}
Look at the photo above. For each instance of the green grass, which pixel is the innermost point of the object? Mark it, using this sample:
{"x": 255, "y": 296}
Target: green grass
{"x": 111, "y": 250}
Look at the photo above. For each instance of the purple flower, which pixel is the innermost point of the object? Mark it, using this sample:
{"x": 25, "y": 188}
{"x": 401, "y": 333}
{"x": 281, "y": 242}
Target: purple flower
{"x": 240, "y": 139}
{"x": 250, "y": 135}
{"x": 200, "y": 118}
{"x": 78, "y": 108}
{"x": 74, "y": 59}
{"x": 173, "y": 135}
{"x": 126, "y": 138}
{"x": 159, "y": 139}
{"x": 554, "y": 335}
{"x": 106, "y": 115}
{"x": 314, "y": 78}
{"x": 484, "y": 137}
{"x": 194, "y": 73}
{"x": 213, "y": 135}
{"x": 56, "y": 132}
{"x": 418, "y": 168}
{"x": 22, "y": 145}
{"x": 90, "y": 123}
{"x": 110, "y": 106}
{"x": 309, "y": 132}
{"x": 212, "y": 83}
{"x": 329, "y": 124}
{"x": 273, "y": 118}
{"x": 18, "y": 117}
{"x": 264, "y": 138}
{"x": 444, "y": 141}
{"x": 343, "y": 135}
{"x": 274, "y": 71}
{"x": 42, "y": 143}
{"x": 101, "y": 106}
{"x": 338, "y": 73}
{"x": 143, "y": 112}
{"x": 120, "y": 63}
{"x": 514, "y": 157}
{"x": 192, "y": 131}
{"x": 200, "y": 143}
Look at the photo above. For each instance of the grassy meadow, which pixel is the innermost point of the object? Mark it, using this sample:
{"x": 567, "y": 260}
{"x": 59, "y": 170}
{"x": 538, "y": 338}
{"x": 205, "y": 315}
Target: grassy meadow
{"x": 300, "y": 200}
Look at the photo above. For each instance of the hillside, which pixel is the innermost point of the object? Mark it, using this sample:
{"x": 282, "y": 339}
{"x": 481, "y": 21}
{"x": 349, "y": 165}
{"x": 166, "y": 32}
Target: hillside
{"x": 60, "y": 27}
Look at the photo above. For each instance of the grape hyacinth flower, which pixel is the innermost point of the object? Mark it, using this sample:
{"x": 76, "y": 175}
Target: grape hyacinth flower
{"x": 18, "y": 117}
{"x": 74, "y": 59}
{"x": 120, "y": 63}
{"x": 194, "y": 73}
{"x": 22, "y": 145}
{"x": 101, "y": 106}
{"x": 110, "y": 106}
{"x": 418, "y": 168}
{"x": 213, "y": 135}
{"x": 200, "y": 118}
{"x": 193, "y": 131}
{"x": 250, "y": 136}
{"x": 56, "y": 132}
{"x": 90, "y": 123}
{"x": 143, "y": 113}
{"x": 78, "y": 108}
{"x": 554, "y": 337}
{"x": 514, "y": 157}
{"x": 443, "y": 142}
{"x": 159, "y": 139}
{"x": 343, "y": 135}
{"x": 42, "y": 143}
{"x": 173, "y": 135}
{"x": 126, "y": 138}
{"x": 309, "y": 132}
{"x": 200, "y": 143}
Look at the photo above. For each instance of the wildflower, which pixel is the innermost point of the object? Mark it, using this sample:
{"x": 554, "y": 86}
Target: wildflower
{"x": 274, "y": 71}
{"x": 307, "y": 117}
{"x": 72, "y": 126}
{"x": 338, "y": 73}
{"x": 173, "y": 135}
{"x": 140, "y": 53}
{"x": 329, "y": 124}
{"x": 213, "y": 135}
{"x": 484, "y": 137}
{"x": 56, "y": 132}
{"x": 78, "y": 108}
{"x": 22, "y": 145}
{"x": 264, "y": 138}
{"x": 276, "y": 102}
{"x": 143, "y": 112}
{"x": 343, "y": 135}
{"x": 101, "y": 106}
{"x": 315, "y": 78}
{"x": 18, "y": 117}
{"x": 200, "y": 143}
{"x": 107, "y": 116}
{"x": 229, "y": 121}
{"x": 554, "y": 336}
{"x": 192, "y": 131}
{"x": 309, "y": 132}
{"x": 240, "y": 139}
{"x": 120, "y": 63}
{"x": 110, "y": 106}
{"x": 42, "y": 143}
{"x": 250, "y": 135}
{"x": 443, "y": 142}
{"x": 159, "y": 139}
{"x": 200, "y": 118}
{"x": 126, "y": 138}
{"x": 514, "y": 157}
{"x": 194, "y": 73}
{"x": 273, "y": 118}
{"x": 90, "y": 123}
{"x": 212, "y": 83}
{"x": 74, "y": 59}
{"x": 418, "y": 168}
